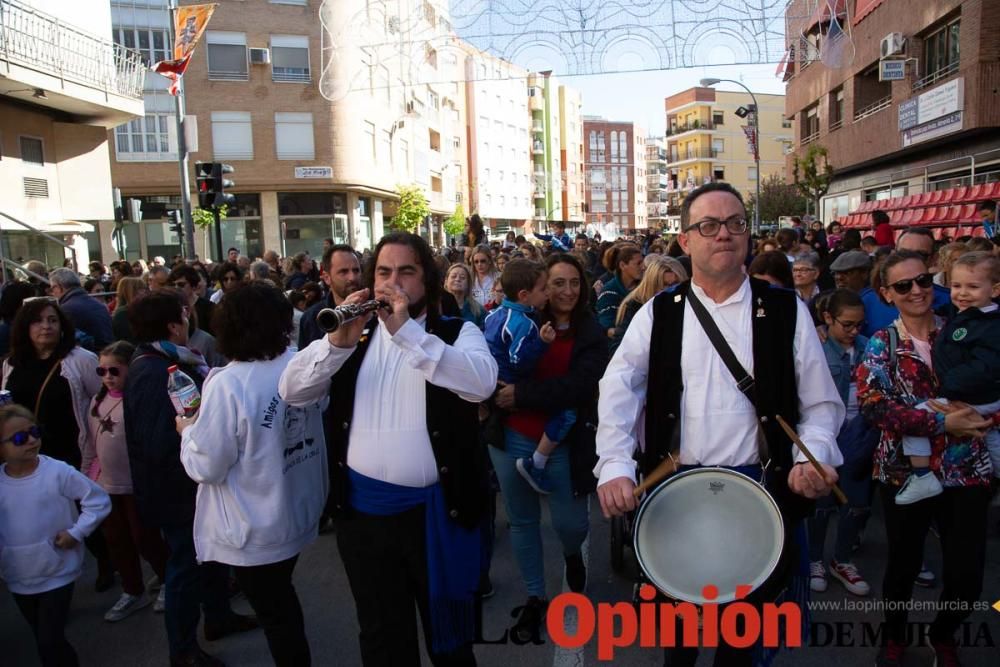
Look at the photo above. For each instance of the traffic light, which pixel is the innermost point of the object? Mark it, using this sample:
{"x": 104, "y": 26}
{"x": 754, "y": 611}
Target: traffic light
{"x": 212, "y": 183}
{"x": 176, "y": 223}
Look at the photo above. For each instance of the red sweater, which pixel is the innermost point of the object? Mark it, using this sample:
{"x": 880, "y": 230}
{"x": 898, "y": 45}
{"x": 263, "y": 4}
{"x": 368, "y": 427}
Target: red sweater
{"x": 884, "y": 235}
{"x": 555, "y": 362}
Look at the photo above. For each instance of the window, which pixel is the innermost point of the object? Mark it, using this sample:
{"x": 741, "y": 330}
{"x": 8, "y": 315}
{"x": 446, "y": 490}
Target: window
{"x": 486, "y": 174}
{"x": 752, "y": 174}
{"x": 433, "y": 101}
{"x": 293, "y": 136}
{"x": 404, "y": 153}
{"x": 614, "y": 146}
{"x": 150, "y": 42}
{"x": 370, "y": 137}
{"x": 144, "y": 137}
{"x": 718, "y": 147}
{"x": 456, "y": 142}
{"x": 500, "y": 175}
{"x": 622, "y": 147}
{"x": 786, "y": 123}
{"x": 718, "y": 118}
{"x": 31, "y": 151}
{"x": 941, "y": 50}
{"x": 719, "y": 173}
{"x": 290, "y": 58}
{"x": 232, "y": 135}
{"x": 810, "y": 123}
{"x": 227, "y": 56}
{"x": 836, "y": 108}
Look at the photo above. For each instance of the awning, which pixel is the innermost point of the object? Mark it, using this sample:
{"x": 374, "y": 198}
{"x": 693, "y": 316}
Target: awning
{"x": 55, "y": 228}
{"x": 863, "y": 8}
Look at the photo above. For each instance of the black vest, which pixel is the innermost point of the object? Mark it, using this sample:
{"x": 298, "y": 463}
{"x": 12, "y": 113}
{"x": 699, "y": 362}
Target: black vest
{"x": 452, "y": 424}
{"x": 774, "y": 314}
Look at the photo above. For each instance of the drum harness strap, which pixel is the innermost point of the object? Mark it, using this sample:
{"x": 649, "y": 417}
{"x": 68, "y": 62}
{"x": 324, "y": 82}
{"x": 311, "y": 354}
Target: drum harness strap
{"x": 744, "y": 381}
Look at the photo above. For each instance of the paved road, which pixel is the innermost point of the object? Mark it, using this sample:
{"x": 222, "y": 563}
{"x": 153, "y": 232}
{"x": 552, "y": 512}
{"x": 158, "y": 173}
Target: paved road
{"x": 140, "y": 640}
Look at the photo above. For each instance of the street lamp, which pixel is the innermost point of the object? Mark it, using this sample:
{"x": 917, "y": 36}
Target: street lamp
{"x": 708, "y": 83}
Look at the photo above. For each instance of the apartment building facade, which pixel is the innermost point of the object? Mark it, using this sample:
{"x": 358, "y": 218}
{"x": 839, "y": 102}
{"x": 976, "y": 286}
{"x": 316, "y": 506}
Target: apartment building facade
{"x": 930, "y": 126}
{"x": 706, "y": 141}
{"x": 322, "y": 109}
{"x": 656, "y": 187}
{"x": 497, "y": 141}
{"x": 615, "y": 165}
{"x": 64, "y": 84}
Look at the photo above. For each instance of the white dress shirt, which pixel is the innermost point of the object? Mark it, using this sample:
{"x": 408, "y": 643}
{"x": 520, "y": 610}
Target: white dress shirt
{"x": 718, "y": 424}
{"x": 388, "y": 439}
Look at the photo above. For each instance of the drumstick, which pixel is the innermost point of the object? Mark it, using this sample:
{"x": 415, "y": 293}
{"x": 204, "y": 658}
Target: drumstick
{"x": 841, "y": 498}
{"x": 660, "y": 472}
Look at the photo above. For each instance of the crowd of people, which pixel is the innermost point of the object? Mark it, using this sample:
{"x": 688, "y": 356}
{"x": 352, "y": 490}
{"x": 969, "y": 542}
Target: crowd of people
{"x": 543, "y": 367}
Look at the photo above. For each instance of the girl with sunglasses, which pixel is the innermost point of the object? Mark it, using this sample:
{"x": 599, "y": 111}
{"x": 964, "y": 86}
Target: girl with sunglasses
{"x": 41, "y": 531}
{"x": 105, "y": 460}
{"x": 891, "y": 384}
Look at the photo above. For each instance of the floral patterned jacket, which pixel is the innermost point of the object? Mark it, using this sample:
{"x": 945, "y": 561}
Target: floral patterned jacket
{"x": 888, "y": 395}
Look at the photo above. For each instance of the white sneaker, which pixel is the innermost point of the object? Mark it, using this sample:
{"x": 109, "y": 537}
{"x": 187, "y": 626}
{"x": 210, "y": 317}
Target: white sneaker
{"x": 817, "y": 576}
{"x": 847, "y": 574}
{"x": 126, "y": 605}
{"x": 916, "y": 488}
{"x": 161, "y": 601}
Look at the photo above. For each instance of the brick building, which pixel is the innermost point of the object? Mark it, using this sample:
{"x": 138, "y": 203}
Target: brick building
{"x": 615, "y": 166}
{"x": 932, "y": 130}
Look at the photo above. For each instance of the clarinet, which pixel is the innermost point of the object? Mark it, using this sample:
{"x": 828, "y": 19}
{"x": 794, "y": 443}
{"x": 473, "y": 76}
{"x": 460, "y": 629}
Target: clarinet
{"x": 331, "y": 319}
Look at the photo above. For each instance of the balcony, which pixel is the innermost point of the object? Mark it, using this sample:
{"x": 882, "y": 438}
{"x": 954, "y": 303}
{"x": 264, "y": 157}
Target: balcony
{"x": 934, "y": 77}
{"x": 873, "y": 108}
{"x": 694, "y": 154}
{"x": 809, "y": 138}
{"x": 79, "y": 73}
{"x": 681, "y": 128}
{"x": 537, "y": 126}
{"x": 540, "y": 213}
{"x": 538, "y": 148}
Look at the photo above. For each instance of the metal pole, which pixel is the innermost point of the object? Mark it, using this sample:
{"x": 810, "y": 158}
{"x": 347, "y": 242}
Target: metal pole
{"x": 182, "y": 151}
{"x": 218, "y": 234}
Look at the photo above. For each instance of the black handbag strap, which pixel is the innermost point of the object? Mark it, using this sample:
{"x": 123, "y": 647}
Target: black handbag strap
{"x": 744, "y": 381}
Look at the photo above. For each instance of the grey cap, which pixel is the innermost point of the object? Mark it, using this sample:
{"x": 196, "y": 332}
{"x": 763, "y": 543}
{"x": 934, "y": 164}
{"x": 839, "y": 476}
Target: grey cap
{"x": 850, "y": 260}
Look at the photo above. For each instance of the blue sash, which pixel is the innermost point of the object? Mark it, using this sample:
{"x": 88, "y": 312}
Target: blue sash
{"x": 452, "y": 554}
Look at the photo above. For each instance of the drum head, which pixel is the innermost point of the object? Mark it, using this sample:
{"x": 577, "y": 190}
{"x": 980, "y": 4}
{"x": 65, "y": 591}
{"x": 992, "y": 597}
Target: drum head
{"x": 708, "y": 526}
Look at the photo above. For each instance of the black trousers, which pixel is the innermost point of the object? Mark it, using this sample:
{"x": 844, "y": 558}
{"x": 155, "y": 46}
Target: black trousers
{"x": 726, "y": 655}
{"x": 386, "y": 562}
{"x": 47, "y": 613}
{"x": 960, "y": 516}
{"x": 271, "y": 594}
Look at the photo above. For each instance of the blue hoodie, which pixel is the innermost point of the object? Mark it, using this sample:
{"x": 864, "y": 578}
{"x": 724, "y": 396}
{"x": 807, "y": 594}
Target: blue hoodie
{"x": 514, "y": 340}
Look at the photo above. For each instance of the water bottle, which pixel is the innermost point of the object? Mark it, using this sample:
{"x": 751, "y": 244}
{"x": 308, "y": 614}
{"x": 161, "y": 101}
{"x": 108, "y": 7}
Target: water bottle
{"x": 183, "y": 392}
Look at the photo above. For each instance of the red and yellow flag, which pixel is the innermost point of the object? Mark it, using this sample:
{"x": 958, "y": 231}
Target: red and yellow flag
{"x": 189, "y": 25}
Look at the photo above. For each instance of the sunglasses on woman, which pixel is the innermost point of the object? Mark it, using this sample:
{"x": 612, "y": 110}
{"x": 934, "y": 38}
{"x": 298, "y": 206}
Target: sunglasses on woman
{"x": 923, "y": 281}
{"x": 110, "y": 370}
{"x": 21, "y": 438}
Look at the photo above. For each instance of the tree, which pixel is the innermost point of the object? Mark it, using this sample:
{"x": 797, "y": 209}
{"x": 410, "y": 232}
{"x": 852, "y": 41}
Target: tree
{"x": 204, "y": 219}
{"x": 455, "y": 224}
{"x": 777, "y": 198}
{"x": 813, "y": 173}
{"x": 412, "y": 209}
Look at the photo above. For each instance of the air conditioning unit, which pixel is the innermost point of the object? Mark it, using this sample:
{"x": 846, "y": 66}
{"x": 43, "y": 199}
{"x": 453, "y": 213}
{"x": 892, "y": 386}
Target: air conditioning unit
{"x": 260, "y": 56}
{"x": 892, "y": 44}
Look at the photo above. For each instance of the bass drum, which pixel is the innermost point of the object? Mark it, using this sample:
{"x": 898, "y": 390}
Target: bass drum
{"x": 708, "y": 526}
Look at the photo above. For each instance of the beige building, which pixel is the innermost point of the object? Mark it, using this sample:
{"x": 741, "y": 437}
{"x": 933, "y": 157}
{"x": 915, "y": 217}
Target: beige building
{"x": 63, "y": 83}
{"x": 656, "y": 186}
{"x": 706, "y": 141}
{"x": 321, "y": 108}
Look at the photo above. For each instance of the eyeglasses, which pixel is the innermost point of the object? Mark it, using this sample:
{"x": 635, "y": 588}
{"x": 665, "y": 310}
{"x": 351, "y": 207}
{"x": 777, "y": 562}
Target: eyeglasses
{"x": 709, "y": 227}
{"x": 113, "y": 371}
{"x": 923, "y": 281}
{"x": 850, "y": 326}
{"x": 21, "y": 438}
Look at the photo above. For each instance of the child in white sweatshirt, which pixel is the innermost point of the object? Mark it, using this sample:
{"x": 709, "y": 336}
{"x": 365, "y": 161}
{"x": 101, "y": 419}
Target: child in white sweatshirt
{"x": 41, "y": 532}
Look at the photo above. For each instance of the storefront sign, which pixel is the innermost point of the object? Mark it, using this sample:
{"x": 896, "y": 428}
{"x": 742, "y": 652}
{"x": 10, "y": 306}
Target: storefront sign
{"x": 936, "y": 128}
{"x": 314, "y": 172}
{"x": 908, "y": 114}
{"x": 944, "y": 100}
{"x": 892, "y": 69}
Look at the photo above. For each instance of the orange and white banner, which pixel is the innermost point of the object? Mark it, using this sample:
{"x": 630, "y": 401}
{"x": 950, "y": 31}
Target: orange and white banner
{"x": 189, "y": 25}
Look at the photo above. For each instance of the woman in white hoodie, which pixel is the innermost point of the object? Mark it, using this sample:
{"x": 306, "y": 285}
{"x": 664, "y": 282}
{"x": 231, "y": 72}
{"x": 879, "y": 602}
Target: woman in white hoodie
{"x": 260, "y": 465}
